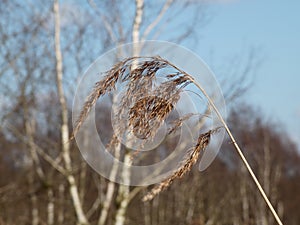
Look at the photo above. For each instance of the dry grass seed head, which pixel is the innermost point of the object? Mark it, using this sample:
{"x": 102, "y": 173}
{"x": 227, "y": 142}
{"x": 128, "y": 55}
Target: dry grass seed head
{"x": 147, "y": 114}
{"x": 186, "y": 165}
{"x": 140, "y": 82}
{"x": 100, "y": 88}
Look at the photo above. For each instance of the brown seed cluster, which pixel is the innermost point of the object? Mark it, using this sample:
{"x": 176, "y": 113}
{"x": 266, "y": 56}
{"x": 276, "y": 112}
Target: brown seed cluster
{"x": 146, "y": 103}
{"x": 186, "y": 166}
{"x": 138, "y": 73}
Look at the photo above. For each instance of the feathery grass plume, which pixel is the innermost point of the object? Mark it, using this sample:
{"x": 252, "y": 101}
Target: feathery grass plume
{"x": 149, "y": 105}
{"x": 143, "y": 114}
{"x": 101, "y": 87}
{"x": 137, "y": 87}
{"x": 140, "y": 79}
{"x": 139, "y": 83}
{"x": 147, "y": 114}
{"x": 142, "y": 107}
{"x": 186, "y": 165}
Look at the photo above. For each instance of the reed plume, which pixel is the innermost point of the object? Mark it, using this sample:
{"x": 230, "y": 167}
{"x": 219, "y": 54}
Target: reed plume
{"x": 149, "y": 105}
{"x": 186, "y": 165}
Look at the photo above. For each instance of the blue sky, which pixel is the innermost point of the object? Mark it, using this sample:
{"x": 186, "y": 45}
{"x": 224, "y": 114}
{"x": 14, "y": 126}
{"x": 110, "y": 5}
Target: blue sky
{"x": 273, "y": 27}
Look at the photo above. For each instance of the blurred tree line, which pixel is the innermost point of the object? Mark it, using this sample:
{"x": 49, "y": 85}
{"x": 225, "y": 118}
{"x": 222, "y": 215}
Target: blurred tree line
{"x": 45, "y": 46}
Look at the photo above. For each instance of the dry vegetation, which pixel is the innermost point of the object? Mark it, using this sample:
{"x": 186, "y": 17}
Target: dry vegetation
{"x": 149, "y": 106}
{"x": 45, "y": 180}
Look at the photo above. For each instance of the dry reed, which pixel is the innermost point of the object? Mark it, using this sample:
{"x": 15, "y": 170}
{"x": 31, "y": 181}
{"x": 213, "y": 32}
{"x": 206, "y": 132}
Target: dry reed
{"x": 149, "y": 106}
{"x": 190, "y": 159}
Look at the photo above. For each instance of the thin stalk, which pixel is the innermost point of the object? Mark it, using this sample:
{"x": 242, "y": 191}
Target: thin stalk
{"x": 238, "y": 149}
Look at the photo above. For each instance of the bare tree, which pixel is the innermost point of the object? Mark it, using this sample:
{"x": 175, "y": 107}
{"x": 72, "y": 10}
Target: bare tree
{"x": 64, "y": 129}
{"x": 46, "y": 181}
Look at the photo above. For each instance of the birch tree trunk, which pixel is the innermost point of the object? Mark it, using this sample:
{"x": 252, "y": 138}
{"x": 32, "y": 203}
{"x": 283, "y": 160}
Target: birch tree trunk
{"x": 110, "y": 189}
{"x": 61, "y": 213}
{"x": 81, "y": 217}
{"x": 123, "y": 193}
{"x": 34, "y": 163}
{"x": 50, "y": 207}
{"x": 33, "y": 197}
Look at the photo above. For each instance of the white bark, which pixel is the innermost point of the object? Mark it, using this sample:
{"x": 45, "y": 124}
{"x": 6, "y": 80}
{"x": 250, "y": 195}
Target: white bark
{"x": 110, "y": 189}
{"x": 34, "y": 164}
{"x": 111, "y": 185}
{"x": 35, "y": 211}
{"x": 50, "y": 207}
{"x": 123, "y": 194}
{"x": 33, "y": 197}
{"x": 136, "y": 25}
{"x": 61, "y": 194}
{"x": 82, "y": 220}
